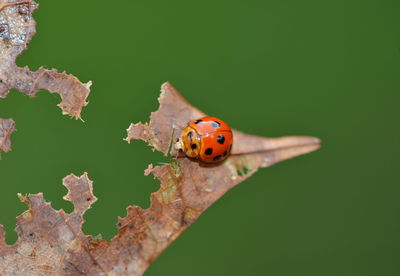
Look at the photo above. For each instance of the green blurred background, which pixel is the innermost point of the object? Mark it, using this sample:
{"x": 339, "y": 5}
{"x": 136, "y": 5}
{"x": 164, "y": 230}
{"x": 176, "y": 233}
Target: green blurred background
{"x": 324, "y": 68}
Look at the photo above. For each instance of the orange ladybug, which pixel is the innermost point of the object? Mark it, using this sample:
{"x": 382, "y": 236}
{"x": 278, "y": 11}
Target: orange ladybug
{"x": 208, "y": 139}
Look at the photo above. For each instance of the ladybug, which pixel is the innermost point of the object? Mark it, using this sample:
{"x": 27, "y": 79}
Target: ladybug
{"x": 208, "y": 139}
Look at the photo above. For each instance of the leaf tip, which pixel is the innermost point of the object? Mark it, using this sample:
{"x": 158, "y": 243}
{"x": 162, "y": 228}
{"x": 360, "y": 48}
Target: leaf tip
{"x": 23, "y": 198}
{"x": 149, "y": 170}
{"x": 137, "y": 131}
{"x": 80, "y": 191}
{"x": 88, "y": 84}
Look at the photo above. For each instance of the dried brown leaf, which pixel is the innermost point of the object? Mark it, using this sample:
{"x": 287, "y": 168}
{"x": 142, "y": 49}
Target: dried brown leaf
{"x": 7, "y": 127}
{"x": 52, "y": 243}
{"x": 188, "y": 188}
{"x": 17, "y": 27}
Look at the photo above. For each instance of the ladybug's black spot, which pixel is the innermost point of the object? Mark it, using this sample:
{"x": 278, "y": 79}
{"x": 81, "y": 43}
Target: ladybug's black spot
{"x": 198, "y": 122}
{"x": 193, "y": 146}
{"x": 225, "y": 153}
{"x": 216, "y": 124}
{"x": 221, "y": 139}
{"x": 190, "y": 134}
{"x": 208, "y": 151}
{"x": 216, "y": 158}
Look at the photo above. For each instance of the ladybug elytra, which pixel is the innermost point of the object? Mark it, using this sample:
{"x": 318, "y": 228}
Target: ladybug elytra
{"x": 208, "y": 139}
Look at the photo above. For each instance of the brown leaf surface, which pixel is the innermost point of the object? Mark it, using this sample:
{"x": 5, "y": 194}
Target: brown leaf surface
{"x": 7, "y": 127}
{"x": 52, "y": 243}
{"x": 174, "y": 113}
{"x": 17, "y": 27}
{"x": 188, "y": 188}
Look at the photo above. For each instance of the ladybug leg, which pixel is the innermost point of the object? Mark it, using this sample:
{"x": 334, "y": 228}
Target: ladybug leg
{"x": 9, "y": 4}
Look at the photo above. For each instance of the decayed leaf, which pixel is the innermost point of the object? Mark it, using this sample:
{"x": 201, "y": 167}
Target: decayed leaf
{"x": 52, "y": 242}
{"x": 7, "y": 127}
{"x": 174, "y": 113}
{"x": 188, "y": 187}
{"x": 17, "y": 27}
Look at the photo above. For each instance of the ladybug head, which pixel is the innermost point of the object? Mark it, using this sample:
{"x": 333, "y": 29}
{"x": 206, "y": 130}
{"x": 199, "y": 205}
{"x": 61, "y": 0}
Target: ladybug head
{"x": 189, "y": 143}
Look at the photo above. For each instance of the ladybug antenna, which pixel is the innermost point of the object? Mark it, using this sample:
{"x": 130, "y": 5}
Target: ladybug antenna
{"x": 170, "y": 145}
